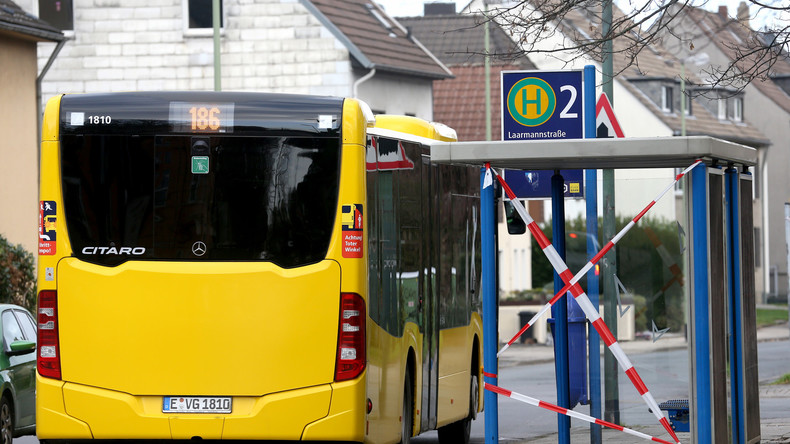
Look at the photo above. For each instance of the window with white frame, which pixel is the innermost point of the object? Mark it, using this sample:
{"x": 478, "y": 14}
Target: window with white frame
{"x": 666, "y": 99}
{"x": 198, "y": 14}
{"x": 722, "y": 108}
{"x": 737, "y": 109}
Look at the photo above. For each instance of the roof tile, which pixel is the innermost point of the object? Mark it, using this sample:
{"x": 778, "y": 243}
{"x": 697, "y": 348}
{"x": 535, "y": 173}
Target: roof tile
{"x": 379, "y": 38}
{"x": 15, "y": 19}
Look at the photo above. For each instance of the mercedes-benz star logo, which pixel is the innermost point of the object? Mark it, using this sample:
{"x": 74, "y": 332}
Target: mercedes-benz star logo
{"x": 198, "y": 248}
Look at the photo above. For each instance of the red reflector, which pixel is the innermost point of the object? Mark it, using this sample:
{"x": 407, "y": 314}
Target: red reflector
{"x": 48, "y": 356}
{"x": 351, "y": 358}
{"x": 572, "y": 235}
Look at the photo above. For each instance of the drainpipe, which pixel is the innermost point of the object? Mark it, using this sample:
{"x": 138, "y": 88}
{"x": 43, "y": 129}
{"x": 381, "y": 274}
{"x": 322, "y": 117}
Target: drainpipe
{"x": 362, "y": 80}
{"x": 40, "y": 78}
{"x": 39, "y": 107}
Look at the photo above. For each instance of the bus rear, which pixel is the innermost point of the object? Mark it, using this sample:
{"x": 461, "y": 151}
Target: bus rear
{"x": 201, "y": 270}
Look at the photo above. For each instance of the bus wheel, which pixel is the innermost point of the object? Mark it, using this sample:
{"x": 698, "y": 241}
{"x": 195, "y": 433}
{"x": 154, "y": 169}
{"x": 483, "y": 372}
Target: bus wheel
{"x": 459, "y": 431}
{"x": 407, "y": 422}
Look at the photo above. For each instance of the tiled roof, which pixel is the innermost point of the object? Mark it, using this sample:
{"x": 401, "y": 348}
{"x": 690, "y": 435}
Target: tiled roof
{"x": 374, "y": 39}
{"x": 460, "y": 102}
{"x": 654, "y": 62}
{"x": 458, "y": 39}
{"x": 14, "y": 19}
{"x": 727, "y": 34}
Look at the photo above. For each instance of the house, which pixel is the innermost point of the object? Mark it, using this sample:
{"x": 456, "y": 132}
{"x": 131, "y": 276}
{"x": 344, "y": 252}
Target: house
{"x": 764, "y": 104}
{"x": 325, "y": 47}
{"x": 20, "y": 34}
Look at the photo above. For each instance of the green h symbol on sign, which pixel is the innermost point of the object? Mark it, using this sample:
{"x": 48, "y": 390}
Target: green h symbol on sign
{"x": 526, "y": 101}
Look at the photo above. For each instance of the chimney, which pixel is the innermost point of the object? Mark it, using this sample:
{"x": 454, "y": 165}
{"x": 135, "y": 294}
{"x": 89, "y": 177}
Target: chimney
{"x": 723, "y": 12}
{"x": 743, "y": 14}
{"x": 438, "y": 9}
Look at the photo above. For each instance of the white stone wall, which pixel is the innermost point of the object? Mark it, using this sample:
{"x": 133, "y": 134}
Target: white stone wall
{"x": 396, "y": 95}
{"x": 125, "y": 45}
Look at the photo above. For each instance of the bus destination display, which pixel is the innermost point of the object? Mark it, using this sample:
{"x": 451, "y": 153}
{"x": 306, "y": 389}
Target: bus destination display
{"x": 191, "y": 117}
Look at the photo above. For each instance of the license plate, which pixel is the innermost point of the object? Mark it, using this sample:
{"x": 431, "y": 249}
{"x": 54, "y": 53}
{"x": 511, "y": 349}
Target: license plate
{"x": 197, "y": 404}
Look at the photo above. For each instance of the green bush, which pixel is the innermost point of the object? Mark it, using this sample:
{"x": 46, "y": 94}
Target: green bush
{"x": 17, "y": 275}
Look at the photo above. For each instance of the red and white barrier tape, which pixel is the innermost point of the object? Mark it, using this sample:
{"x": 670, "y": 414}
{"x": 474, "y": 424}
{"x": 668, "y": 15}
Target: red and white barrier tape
{"x": 581, "y": 297}
{"x": 571, "y": 413}
{"x": 593, "y": 261}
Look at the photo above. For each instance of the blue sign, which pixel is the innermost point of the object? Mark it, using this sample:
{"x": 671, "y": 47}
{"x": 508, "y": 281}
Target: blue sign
{"x": 542, "y": 105}
{"x": 537, "y": 184}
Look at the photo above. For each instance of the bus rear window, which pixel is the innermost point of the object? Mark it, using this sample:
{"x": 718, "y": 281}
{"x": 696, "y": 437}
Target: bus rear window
{"x": 200, "y": 198}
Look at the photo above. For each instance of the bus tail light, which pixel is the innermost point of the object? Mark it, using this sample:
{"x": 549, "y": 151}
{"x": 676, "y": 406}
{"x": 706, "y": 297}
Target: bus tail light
{"x": 48, "y": 358}
{"x": 351, "y": 359}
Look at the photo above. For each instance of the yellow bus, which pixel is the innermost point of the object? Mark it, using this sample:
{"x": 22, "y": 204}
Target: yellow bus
{"x": 253, "y": 266}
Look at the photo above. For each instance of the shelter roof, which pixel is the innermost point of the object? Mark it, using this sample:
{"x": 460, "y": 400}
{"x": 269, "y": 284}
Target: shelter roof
{"x": 648, "y": 152}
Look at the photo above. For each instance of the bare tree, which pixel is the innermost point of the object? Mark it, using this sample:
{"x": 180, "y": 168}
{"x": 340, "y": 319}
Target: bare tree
{"x": 638, "y": 25}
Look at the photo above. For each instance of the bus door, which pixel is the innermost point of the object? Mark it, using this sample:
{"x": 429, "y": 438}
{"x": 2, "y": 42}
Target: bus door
{"x": 428, "y": 298}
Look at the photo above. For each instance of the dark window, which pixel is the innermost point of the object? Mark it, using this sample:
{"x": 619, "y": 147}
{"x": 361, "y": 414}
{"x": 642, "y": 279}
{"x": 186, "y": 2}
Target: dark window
{"x": 201, "y": 15}
{"x": 422, "y": 244}
{"x": 666, "y": 98}
{"x": 263, "y": 198}
{"x": 410, "y": 263}
{"x": 58, "y": 13}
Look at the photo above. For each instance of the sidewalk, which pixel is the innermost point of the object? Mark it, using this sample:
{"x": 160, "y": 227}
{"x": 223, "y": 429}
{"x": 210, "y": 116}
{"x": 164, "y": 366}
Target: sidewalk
{"x": 773, "y": 429}
{"x": 526, "y": 354}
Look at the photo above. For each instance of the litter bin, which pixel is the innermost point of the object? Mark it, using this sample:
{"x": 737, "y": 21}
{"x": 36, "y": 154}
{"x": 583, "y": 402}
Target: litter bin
{"x": 523, "y": 318}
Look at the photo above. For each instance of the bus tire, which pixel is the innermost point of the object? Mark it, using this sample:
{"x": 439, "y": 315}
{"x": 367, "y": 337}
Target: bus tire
{"x": 459, "y": 431}
{"x": 407, "y": 421}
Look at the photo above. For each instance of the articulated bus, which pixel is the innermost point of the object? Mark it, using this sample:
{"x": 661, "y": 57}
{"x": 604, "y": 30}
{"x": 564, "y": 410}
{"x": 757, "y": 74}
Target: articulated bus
{"x": 253, "y": 266}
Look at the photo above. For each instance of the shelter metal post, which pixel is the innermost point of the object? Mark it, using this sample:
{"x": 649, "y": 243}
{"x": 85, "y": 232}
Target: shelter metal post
{"x": 560, "y": 310}
{"x": 490, "y": 315}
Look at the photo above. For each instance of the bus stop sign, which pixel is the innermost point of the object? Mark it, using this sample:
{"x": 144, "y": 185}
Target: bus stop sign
{"x": 542, "y": 105}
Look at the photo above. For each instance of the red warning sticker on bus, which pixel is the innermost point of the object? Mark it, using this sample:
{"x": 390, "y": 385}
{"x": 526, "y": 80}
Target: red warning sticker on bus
{"x": 352, "y": 219}
{"x": 47, "y": 222}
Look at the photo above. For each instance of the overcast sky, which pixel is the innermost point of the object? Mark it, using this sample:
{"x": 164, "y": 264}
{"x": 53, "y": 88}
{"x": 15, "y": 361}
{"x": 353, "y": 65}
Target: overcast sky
{"x": 411, "y": 8}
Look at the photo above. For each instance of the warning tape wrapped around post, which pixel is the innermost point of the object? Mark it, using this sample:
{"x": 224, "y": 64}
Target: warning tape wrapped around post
{"x": 571, "y": 283}
{"x": 570, "y": 413}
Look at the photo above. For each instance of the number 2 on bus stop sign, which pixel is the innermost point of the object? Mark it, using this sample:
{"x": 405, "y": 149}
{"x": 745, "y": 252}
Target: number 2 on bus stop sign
{"x": 352, "y": 231}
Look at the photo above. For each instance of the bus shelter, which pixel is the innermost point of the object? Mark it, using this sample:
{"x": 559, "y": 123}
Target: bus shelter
{"x": 712, "y": 307}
